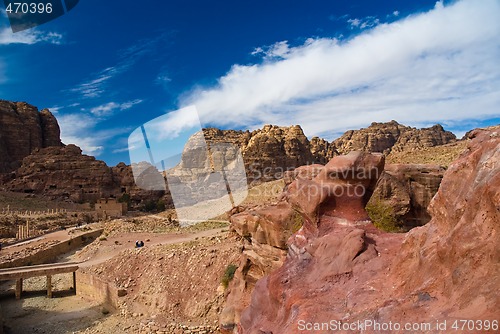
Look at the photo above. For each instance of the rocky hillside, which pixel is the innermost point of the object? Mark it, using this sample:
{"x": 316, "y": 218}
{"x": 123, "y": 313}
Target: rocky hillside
{"x": 392, "y": 137}
{"x": 24, "y": 129}
{"x": 336, "y": 266}
{"x": 272, "y": 150}
{"x": 64, "y": 173}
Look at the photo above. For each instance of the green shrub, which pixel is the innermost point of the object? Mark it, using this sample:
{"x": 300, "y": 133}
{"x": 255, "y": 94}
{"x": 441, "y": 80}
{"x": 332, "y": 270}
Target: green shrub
{"x": 154, "y": 206}
{"x": 125, "y": 198}
{"x": 149, "y": 206}
{"x": 383, "y": 216}
{"x": 160, "y": 206}
{"x": 228, "y": 275}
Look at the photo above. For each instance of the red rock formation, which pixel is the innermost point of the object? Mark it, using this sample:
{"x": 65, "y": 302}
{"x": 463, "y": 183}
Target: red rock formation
{"x": 455, "y": 257}
{"x": 65, "y": 173}
{"x": 22, "y": 130}
{"x": 340, "y": 269}
{"x": 335, "y": 238}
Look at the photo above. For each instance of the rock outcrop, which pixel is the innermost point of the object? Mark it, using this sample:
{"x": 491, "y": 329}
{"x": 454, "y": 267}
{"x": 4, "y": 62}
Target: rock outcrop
{"x": 455, "y": 259}
{"x": 24, "y": 129}
{"x": 339, "y": 269}
{"x": 271, "y": 151}
{"x": 318, "y": 198}
{"x": 65, "y": 173}
{"x": 392, "y": 136}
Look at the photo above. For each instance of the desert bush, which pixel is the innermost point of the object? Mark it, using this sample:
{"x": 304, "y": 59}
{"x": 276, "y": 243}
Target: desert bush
{"x": 383, "y": 216}
{"x": 125, "y": 198}
{"x": 160, "y": 205}
{"x": 149, "y": 206}
{"x": 228, "y": 275}
{"x": 88, "y": 218}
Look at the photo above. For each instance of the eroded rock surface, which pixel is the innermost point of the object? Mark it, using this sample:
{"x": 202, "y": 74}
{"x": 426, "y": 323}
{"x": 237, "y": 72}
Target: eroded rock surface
{"x": 455, "y": 258}
{"x": 65, "y": 173}
{"x": 22, "y": 130}
{"x": 392, "y": 136}
{"x": 340, "y": 268}
{"x": 272, "y": 150}
{"x": 336, "y": 237}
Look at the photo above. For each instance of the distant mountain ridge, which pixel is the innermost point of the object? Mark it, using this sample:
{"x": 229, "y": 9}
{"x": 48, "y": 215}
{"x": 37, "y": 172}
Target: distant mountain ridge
{"x": 392, "y": 137}
{"x": 34, "y": 160}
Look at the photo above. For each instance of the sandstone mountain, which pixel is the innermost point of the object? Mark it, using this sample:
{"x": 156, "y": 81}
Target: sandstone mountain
{"x": 64, "y": 173}
{"x": 22, "y": 130}
{"x": 392, "y": 137}
{"x": 272, "y": 150}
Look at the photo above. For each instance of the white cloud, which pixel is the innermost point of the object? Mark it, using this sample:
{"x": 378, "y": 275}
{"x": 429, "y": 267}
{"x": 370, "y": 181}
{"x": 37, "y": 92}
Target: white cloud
{"x": 121, "y": 150}
{"x": 77, "y": 127}
{"x": 29, "y": 37}
{"x": 439, "y": 66}
{"x": 55, "y": 109}
{"x": 130, "y": 104}
{"x": 95, "y": 87}
{"x": 367, "y": 22}
{"x": 354, "y": 22}
{"x": 395, "y": 13}
{"x": 110, "y": 108}
{"x": 97, "y": 84}
{"x": 277, "y": 50}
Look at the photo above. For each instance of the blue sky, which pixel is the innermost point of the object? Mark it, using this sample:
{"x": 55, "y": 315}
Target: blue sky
{"x": 107, "y": 67}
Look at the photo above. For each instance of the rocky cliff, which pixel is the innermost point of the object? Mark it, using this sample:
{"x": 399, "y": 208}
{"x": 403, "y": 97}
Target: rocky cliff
{"x": 272, "y": 150}
{"x": 338, "y": 268}
{"x": 392, "y": 137}
{"x": 24, "y": 129}
{"x": 64, "y": 173}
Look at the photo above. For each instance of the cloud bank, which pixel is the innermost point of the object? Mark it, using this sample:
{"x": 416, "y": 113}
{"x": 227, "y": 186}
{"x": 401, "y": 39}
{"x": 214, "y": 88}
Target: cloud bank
{"x": 438, "y": 66}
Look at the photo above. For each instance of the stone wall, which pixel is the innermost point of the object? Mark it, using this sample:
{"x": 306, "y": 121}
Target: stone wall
{"x": 50, "y": 254}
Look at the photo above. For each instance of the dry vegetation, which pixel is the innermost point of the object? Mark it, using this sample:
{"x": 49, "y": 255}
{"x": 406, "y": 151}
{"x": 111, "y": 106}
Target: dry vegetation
{"x": 30, "y": 202}
{"x": 440, "y": 155}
